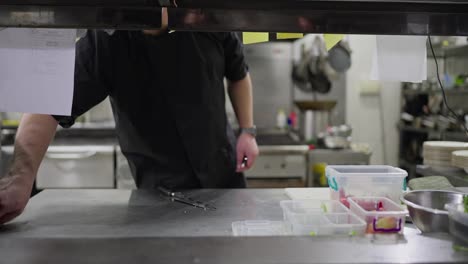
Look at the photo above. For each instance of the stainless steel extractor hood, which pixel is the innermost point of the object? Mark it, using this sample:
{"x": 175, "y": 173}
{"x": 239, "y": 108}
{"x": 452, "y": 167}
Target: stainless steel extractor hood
{"x": 416, "y": 17}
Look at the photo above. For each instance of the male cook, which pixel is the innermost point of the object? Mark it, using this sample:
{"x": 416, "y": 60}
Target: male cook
{"x": 168, "y": 98}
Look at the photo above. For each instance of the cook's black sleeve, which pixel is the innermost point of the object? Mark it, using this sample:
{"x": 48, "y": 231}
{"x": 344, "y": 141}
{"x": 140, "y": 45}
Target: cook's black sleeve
{"x": 90, "y": 88}
{"x": 235, "y": 66}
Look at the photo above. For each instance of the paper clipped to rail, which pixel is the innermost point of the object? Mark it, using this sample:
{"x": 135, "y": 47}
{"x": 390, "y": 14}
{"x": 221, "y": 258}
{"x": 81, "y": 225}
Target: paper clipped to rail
{"x": 400, "y": 58}
{"x": 255, "y": 37}
{"x": 37, "y": 68}
{"x": 331, "y": 40}
{"x": 289, "y": 35}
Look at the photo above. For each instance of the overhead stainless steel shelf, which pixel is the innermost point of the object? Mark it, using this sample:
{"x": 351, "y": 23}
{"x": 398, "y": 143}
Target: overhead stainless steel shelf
{"x": 299, "y": 4}
{"x": 80, "y": 17}
{"x": 124, "y": 14}
{"x": 414, "y": 17}
{"x": 411, "y": 17}
{"x": 93, "y": 3}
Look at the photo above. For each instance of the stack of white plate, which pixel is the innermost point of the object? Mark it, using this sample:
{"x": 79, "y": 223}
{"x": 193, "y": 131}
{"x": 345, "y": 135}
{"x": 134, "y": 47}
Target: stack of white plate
{"x": 460, "y": 159}
{"x": 439, "y": 153}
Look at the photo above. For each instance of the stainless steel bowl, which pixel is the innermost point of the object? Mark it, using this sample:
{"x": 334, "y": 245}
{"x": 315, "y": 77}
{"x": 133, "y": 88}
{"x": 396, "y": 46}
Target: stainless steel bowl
{"x": 426, "y": 208}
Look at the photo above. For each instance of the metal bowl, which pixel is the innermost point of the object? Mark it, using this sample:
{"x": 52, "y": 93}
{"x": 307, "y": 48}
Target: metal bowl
{"x": 426, "y": 208}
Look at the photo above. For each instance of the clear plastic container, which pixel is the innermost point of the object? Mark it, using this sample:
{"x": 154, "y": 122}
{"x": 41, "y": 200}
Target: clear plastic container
{"x": 458, "y": 226}
{"x": 259, "y": 228}
{"x": 317, "y": 218}
{"x": 357, "y": 181}
{"x": 381, "y": 214}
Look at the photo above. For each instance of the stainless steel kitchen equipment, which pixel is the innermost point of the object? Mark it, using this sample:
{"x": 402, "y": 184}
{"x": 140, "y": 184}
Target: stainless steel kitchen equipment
{"x": 100, "y": 114}
{"x": 427, "y": 208}
{"x": 280, "y": 162}
{"x": 121, "y": 226}
{"x": 315, "y": 117}
{"x": 281, "y": 156}
{"x": 316, "y": 109}
{"x": 335, "y": 137}
{"x": 77, "y": 167}
{"x": 87, "y": 166}
{"x": 270, "y": 65}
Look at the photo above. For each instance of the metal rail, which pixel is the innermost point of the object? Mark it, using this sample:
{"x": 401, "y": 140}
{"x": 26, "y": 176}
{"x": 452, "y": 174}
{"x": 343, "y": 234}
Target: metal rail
{"x": 409, "y": 17}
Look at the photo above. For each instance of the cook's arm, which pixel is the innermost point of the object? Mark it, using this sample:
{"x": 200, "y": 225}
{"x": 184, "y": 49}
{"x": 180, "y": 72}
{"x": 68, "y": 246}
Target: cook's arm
{"x": 240, "y": 93}
{"x": 32, "y": 140}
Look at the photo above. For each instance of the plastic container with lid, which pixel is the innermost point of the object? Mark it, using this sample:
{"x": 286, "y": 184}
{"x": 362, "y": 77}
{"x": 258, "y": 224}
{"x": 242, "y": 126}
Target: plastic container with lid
{"x": 381, "y": 214}
{"x": 358, "y": 181}
{"x": 259, "y": 228}
{"x": 458, "y": 226}
{"x": 317, "y": 218}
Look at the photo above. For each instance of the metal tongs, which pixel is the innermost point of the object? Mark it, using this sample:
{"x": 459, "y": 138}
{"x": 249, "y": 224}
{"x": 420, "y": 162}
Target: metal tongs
{"x": 181, "y": 198}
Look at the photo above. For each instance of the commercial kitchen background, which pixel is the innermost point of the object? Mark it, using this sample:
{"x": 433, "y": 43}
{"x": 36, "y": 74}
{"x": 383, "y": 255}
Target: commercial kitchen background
{"x": 372, "y": 109}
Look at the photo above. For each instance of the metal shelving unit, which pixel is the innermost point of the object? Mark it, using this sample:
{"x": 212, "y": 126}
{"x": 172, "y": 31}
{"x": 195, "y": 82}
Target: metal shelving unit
{"x": 453, "y": 91}
{"x": 433, "y": 132}
{"x": 411, "y": 137}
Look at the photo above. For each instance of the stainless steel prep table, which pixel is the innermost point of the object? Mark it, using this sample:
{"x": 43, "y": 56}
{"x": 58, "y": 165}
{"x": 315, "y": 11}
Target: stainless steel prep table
{"x": 119, "y": 226}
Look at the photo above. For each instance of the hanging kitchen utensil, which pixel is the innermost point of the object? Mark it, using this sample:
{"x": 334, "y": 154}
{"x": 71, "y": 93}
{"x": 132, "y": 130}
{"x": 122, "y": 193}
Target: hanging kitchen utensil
{"x": 320, "y": 83}
{"x": 300, "y": 72}
{"x": 339, "y": 57}
{"x": 317, "y": 77}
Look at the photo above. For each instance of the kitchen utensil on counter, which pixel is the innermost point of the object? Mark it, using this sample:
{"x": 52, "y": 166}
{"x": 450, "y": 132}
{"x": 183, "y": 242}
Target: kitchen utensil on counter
{"x": 181, "y": 198}
{"x": 426, "y": 208}
{"x": 335, "y": 137}
{"x": 334, "y": 142}
{"x": 458, "y": 226}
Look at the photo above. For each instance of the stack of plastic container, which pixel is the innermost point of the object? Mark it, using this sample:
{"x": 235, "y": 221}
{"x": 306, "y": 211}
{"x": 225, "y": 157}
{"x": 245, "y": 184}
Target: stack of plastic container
{"x": 364, "y": 199}
{"x": 317, "y": 218}
{"x": 305, "y": 218}
{"x": 359, "y": 181}
{"x": 372, "y": 193}
{"x": 382, "y": 215}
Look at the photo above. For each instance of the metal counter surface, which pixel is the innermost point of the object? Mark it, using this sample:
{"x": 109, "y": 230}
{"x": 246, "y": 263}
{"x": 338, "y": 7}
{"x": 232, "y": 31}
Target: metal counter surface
{"x": 141, "y": 213}
{"x": 117, "y": 226}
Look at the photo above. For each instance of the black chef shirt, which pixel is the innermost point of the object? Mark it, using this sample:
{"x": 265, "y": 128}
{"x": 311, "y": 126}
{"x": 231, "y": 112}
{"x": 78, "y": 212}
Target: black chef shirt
{"x": 167, "y": 95}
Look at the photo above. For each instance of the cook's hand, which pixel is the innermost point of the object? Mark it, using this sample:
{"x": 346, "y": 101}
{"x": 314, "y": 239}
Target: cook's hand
{"x": 14, "y": 195}
{"x": 246, "y": 147}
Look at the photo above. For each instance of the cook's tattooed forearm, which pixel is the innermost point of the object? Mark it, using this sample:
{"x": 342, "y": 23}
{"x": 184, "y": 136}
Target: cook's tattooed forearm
{"x": 21, "y": 161}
